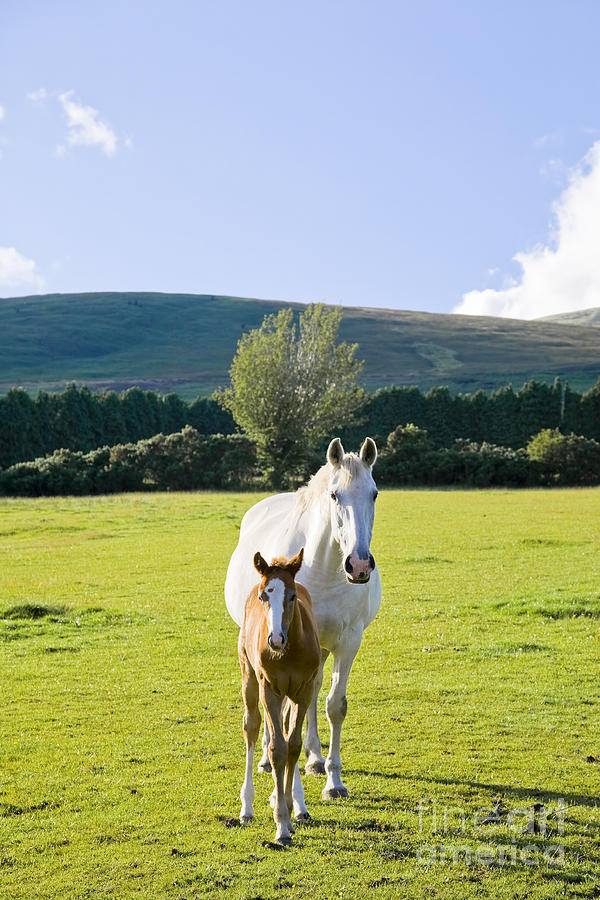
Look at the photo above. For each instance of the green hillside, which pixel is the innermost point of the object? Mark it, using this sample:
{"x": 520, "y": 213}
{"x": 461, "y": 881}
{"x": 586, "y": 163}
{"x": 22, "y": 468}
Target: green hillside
{"x": 185, "y": 343}
{"x": 580, "y": 317}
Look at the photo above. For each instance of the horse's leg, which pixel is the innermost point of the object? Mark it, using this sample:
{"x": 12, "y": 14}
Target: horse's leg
{"x": 315, "y": 764}
{"x": 336, "y": 707}
{"x": 251, "y": 728}
{"x": 294, "y": 792}
{"x": 278, "y": 757}
{"x": 301, "y": 814}
{"x": 264, "y": 764}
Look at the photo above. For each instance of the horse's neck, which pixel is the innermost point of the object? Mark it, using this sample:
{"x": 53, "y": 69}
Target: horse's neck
{"x": 320, "y": 547}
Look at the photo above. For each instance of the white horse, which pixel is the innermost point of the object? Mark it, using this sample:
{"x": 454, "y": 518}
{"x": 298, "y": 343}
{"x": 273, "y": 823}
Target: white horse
{"x": 332, "y": 518}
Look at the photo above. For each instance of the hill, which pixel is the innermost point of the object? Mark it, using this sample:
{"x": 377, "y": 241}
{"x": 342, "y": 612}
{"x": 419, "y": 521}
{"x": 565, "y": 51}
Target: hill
{"x": 185, "y": 343}
{"x": 581, "y": 317}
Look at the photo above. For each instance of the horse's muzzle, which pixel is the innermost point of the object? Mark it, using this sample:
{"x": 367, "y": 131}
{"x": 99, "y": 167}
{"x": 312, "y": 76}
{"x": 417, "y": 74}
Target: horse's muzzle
{"x": 358, "y": 571}
{"x": 362, "y": 580}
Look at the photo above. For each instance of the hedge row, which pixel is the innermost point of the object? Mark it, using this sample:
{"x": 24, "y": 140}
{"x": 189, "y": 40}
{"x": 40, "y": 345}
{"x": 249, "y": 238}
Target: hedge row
{"x": 188, "y": 460}
{"x": 78, "y": 419}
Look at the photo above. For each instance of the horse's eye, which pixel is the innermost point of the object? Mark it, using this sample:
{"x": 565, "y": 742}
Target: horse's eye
{"x": 333, "y": 495}
{"x": 291, "y": 598}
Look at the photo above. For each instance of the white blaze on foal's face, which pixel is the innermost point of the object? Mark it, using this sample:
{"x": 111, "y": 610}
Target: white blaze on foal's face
{"x": 277, "y": 592}
{"x": 274, "y": 596}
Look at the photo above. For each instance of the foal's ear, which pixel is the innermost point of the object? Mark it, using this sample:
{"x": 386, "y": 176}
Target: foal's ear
{"x": 295, "y": 563}
{"x": 335, "y": 453}
{"x": 368, "y": 452}
{"x": 260, "y": 564}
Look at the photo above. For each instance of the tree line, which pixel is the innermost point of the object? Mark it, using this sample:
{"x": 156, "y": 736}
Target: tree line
{"x": 188, "y": 460}
{"x": 80, "y": 420}
{"x": 505, "y": 417}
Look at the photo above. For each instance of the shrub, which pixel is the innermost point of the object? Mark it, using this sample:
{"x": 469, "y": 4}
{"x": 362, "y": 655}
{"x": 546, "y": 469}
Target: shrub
{"x": 565, "y": 458}
{"x": 185, "y": 460}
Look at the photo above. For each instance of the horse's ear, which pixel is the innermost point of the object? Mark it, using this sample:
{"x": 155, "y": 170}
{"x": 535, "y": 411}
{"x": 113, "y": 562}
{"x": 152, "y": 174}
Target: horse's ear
{"x": 368, "y": 452}
{"x": 295, "y": 562}
{"x": 335, "y": 453}
{"x": 260, "y": 564}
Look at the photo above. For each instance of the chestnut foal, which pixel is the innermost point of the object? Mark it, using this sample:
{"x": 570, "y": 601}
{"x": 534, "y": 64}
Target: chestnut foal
{"x": 279, "y": 656}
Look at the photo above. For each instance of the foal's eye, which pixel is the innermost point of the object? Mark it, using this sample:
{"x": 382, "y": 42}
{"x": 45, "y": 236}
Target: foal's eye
{"x": 333, "y": 495}
{"x": 375, "y": 495}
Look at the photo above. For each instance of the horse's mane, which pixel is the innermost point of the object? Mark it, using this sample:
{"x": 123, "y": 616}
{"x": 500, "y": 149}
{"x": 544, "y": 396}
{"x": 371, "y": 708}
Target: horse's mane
{"x": 351, "y": 467}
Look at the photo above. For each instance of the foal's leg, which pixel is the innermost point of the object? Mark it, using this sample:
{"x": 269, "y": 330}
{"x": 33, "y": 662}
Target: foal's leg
{"x": 301, "y": 814}
{"x": 294, "y": 792}
{"x": 264, "y": 764}
{"x": 251, "y": 727}
{"x": 315, "y": 764}
{"x": 278, "y": 758}
{"x": 336, "y": 706}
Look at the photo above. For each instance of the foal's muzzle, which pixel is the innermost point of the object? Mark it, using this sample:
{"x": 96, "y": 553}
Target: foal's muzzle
{"x": 277, "y": 642}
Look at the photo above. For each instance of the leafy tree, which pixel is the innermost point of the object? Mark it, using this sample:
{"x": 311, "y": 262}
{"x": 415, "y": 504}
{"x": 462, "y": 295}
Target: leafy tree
{"x": 539, "y": 407}
{"x": 565, "y": 458}
{"x": 19, "y": 428}
{"x": 138, "y": 414}
{"x": 441, "y": 416}
{"x": 291, "y": 384}
{"x": 112, "y": 415}
{"x": 589, "y": 421}
{"x": 207, "y": 416}
{"x": 172, "y": 414}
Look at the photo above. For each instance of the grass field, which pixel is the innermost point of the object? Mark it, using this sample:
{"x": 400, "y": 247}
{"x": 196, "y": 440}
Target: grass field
{"x": 121, "y": 743}
{"x": 185, "y": 343}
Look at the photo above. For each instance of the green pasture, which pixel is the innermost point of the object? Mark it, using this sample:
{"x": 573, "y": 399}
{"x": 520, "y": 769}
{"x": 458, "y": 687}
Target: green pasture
{"x": 476, "y": 688}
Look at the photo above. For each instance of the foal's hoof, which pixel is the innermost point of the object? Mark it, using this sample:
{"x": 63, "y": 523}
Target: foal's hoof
{"x": 335, "y": 793}
{"x": 283, "y": 841}
{"x": 264, "y": 766}
{"x": 245, "y": 820}
{"x": 315, "y": 768}
{"x": 303, "y": 817}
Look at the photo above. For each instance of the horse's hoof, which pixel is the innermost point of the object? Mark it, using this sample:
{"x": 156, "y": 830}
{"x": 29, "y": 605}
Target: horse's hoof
{"x": 335, "y": 793}
{"x": 303, "y": 817}
{"x": 315, "y": 768}
{"x": 245, "y": 820}
{"x": 264, "y": 767}
{"x": 284, "y": 841}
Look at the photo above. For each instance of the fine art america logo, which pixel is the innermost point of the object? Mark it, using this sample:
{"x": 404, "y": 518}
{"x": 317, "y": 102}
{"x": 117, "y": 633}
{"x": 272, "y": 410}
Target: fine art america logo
{"x": 529, "y": 836}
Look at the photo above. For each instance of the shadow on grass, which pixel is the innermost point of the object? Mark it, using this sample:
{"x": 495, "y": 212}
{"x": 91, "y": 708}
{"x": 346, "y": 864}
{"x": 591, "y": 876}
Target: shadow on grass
{"x": 34, "y": 611}
{"x": 504, "y": 789}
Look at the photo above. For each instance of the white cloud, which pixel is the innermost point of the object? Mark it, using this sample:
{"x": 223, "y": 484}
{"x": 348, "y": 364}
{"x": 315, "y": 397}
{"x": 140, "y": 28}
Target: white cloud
{"x": 37, "y": 96}
{"x": 17, "y": 271}
{"x": 86, "y": 129}
{"x": 564, "y": 274}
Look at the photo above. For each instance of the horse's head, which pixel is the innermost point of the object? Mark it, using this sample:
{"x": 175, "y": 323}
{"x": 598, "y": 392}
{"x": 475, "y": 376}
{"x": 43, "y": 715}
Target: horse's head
{"x": 277, "y": 592}
{"x": 353, "y": 492}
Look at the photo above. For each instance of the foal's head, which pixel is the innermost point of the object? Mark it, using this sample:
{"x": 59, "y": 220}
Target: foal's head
{"x": 277, "y": 592}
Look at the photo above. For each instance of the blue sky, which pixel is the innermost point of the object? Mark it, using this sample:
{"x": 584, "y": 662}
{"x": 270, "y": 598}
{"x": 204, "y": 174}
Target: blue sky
{"x": 392, "y": 154}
